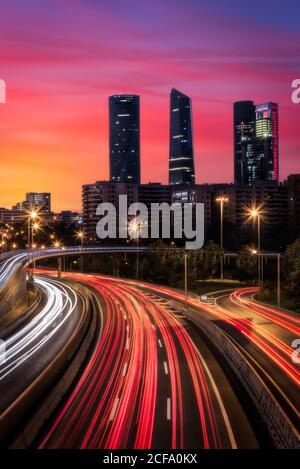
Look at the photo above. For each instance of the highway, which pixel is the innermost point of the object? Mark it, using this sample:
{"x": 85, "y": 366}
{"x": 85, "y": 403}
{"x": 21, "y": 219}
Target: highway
{"x": 151, "y": 382}
{"x": 264, "y": 336}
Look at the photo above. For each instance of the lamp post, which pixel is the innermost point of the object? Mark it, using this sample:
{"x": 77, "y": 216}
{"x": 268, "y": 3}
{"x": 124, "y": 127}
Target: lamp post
{"x": 255, "y": 213}
{"x": 80, "y": 235}
{"x": 278, "y": 281}
{"x": 259, "y": 255}
{"x": 34, "y": 228}
{"x": 278, "y": 257}
{"x": 31, "y": 216}
{"x": 222, "y": 201}
{"x": 185, "y": 278}
{"x": 134, "y": 233}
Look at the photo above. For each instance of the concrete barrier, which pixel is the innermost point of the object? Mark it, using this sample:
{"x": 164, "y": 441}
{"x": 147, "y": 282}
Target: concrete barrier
{"x": 284, "y": 435}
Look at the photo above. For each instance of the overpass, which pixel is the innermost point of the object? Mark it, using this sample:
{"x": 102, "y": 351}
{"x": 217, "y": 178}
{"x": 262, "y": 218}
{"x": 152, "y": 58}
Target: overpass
{"x": 12, "y": 260}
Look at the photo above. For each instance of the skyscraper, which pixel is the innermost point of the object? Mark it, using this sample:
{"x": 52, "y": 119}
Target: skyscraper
{"x": 244, "y": 131}
{"x": 124, "y": 138}
{"x": 256, "y": 155}
{"x": 267, "y": 132}
{"x": 181, "y": 160}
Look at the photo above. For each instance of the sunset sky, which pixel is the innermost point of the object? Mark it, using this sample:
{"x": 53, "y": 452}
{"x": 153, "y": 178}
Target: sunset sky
{"x": 61, "y": 59}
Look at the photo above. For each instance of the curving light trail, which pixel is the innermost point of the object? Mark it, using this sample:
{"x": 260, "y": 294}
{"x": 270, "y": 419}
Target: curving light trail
{"x": 279, "y": 351}
{"x": 7, "y": 266}
{"x": 60, "y": 303}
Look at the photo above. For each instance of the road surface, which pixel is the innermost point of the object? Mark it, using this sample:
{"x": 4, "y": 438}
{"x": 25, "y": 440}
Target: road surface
{"x": 151, "y": 383}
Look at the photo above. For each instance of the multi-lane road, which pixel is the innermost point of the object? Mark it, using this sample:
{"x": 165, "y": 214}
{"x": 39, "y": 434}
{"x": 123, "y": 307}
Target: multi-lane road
{"x": 151, "y": 383}
{"x": 152, "y": 379}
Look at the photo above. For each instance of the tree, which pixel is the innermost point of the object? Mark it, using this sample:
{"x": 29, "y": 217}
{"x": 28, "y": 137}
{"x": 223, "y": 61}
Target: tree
{"x": 247, "y": 264}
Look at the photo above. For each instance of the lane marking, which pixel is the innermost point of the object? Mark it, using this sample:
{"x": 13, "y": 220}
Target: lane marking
{"x": 168, "y": 408}
{"x": 220, "y": 402}
{"x": 114, "y": 409}
{"x": 125, "y": 369}
{"x": 159, "y": 343}
{"x": 127, "y": 344}
{"x": 166, "y": 368}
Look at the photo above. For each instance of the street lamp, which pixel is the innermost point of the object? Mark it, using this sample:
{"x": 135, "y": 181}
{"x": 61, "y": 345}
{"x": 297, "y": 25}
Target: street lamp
{"x": 185, "y": 278}
{"x": 256, "y": 213}
{"x": 34, "y": 228}
{"x": 32, "y": 215}
{"x": 222, "y": 201}
{"x": 134, "y": 229}
{"x": 81, "y": 235}
{"x": 278, "y": 281}
{"x": 255, "y": 252}
{"x": 277, "y": 255}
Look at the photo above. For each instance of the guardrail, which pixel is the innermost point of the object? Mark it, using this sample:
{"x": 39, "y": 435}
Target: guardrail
{"x": 284, "y": 435}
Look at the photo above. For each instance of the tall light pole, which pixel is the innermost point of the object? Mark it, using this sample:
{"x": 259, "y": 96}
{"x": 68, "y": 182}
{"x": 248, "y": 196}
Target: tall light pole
{"x": 134, "y": 233}
{"x": 278, "y": 281}
{"x": 255, "y": 213}
{"x": 81, "y": 235}
{"x": 32, "y": 215}
{"x": 259, "y": 255}
{"x": 222, "y": 201}
{"x": 185, "y": 278}
{"x": 278, "y": 258}
{"x": 34, "y": 228}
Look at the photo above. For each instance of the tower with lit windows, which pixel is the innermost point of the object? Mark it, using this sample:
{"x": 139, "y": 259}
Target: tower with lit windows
{"x": 256, "y": 144}
{"x": 181, "y": 150}
{"x": 124, "y": 138}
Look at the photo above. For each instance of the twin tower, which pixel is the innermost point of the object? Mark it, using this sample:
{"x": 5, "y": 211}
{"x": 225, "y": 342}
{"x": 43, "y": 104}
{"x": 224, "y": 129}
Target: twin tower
{"x": 124, "y": 139}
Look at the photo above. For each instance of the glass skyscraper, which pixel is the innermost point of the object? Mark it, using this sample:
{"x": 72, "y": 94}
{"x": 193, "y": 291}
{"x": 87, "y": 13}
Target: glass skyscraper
{"x": 256, "y": 153}
{"x": 124, "y": 138}
{"x": 244, "y": 131}
{"x": 267, "y": 132}
{"x": 181, "y": 156}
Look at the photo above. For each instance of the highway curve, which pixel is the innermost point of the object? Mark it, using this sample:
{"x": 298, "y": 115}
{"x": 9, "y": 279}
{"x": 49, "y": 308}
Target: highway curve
{"x": 151, "y": 383}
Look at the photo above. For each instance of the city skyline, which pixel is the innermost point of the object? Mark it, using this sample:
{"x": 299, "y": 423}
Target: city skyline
{"x": 61, "y": 84}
